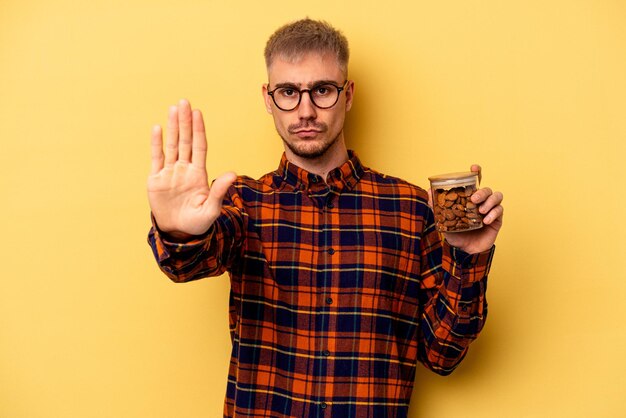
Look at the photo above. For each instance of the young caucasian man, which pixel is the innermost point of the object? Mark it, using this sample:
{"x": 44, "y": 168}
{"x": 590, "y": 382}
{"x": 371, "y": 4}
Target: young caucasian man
{"x": 340, "y": 283}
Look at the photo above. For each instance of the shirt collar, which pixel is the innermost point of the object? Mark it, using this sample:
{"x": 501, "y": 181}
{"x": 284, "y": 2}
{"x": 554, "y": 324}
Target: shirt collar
{"x": 343, "y": 177}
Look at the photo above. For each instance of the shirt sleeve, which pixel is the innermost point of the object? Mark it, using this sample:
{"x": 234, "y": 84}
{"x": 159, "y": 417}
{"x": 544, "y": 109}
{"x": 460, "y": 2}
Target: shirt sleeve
{"x": 210, "y": 254}
{"x": 453, "y": 302}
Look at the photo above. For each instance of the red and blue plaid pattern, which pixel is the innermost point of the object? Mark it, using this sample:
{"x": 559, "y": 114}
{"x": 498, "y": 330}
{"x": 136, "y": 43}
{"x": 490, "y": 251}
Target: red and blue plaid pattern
{"x": 338, "y": 289}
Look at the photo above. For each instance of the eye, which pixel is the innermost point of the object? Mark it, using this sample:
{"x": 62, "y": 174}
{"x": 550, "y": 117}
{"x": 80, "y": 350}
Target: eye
{"x": 287, "y": 92}
{"x": 323, "y": 90}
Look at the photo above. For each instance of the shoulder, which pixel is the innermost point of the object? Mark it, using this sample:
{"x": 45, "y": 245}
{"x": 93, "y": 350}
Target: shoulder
{"x": 250, "y": 189}
{"x": 245, "y": 184}
{"x": 386, "y": 184}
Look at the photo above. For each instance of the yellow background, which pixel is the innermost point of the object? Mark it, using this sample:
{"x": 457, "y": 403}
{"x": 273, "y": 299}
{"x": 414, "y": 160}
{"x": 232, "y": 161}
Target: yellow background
{"x": 535, "y": 91}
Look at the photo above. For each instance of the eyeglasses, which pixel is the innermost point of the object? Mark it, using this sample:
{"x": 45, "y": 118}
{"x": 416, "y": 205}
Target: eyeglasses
{"x": 323, "y": 95}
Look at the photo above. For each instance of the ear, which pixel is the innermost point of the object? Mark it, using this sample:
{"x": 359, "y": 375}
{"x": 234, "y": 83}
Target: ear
{"x": 266, "y": 99}
{"x": 349, "y": 94}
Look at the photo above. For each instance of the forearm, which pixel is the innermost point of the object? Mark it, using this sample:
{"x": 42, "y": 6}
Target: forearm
{"x": 210, "y": 254}
{"x": 455, "y": 307}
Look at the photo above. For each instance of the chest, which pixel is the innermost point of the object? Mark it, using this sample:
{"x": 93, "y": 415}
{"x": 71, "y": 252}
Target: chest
{"x": 347, "y": 244}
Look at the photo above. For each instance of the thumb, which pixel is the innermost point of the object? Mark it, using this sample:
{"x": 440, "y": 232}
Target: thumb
{"x": 219, "y": 188}
{"x": 477, "y": 169}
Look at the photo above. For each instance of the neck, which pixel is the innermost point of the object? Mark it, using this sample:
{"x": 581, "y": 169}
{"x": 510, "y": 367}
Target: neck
{"x": 334, "y": 157}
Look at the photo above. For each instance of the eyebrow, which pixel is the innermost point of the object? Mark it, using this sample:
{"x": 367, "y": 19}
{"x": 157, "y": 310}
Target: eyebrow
{"x": 309, "y": 85}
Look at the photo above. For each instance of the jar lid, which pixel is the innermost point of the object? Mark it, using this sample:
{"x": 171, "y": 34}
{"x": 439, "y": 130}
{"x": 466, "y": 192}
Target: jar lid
{"x": 454, "y": 179}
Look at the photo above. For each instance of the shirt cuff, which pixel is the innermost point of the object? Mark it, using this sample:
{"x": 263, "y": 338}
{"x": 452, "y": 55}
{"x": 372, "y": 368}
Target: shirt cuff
{"x": 166, "y": 245}
{"x": 464, "y": 266}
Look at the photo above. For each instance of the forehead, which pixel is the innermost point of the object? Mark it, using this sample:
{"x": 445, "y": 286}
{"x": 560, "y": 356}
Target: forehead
{"x": 304, "y": 70}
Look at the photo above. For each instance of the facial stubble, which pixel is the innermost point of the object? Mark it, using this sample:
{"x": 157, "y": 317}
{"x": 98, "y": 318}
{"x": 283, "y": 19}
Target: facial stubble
{"x": 316, "y": 152}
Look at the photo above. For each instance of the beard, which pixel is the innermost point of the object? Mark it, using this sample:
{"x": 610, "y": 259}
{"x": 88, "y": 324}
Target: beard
{"x": 309, "y": 148}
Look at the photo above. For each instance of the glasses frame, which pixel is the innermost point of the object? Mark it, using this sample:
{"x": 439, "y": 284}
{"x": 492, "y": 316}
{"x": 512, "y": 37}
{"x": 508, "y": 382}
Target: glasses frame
{"x": 300, "y": 94}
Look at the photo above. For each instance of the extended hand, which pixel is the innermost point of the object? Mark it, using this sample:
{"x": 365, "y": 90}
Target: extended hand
{"x": 180, "y": 198}
{"x": 482, "y": 239}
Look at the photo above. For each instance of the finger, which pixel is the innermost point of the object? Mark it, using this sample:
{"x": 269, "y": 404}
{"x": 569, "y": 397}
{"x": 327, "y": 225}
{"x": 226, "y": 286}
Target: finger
{"x": 481, "y": 195}
{"x": 495, "y": 214}
{"x": 171, "y": 137}
{"x": 477, "y": 169}
{"x": 430, "y": 197}
{"x": 156, "y": 150}
{"x": 219, "y": 188}
{"x": 492, "y": 201}
{"x": 185, "y": 131}
{"x": 198, "y": 155}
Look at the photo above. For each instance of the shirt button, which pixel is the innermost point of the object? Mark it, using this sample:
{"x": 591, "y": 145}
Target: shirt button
{"x": 314, "y": 179}
{"x": 326, "y": 353}
{"x": 331, "y": 251}
{"x": 330, "y": 205}
{"x": 329, "y": 301}
{"x": 323, "y": 405}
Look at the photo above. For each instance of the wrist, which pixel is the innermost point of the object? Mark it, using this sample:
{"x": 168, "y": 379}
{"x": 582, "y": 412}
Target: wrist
{"x": 176, "y": 236}
{"x": 171, "y": 236}
{"x": 471, "y": 249}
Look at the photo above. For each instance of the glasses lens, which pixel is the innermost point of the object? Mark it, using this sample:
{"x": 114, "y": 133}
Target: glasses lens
{"x": 324, "y": 95}
{"x": 286, "y": 98}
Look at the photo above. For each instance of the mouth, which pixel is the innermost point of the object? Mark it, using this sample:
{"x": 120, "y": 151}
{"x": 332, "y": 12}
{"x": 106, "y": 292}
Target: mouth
{"x": 306, "y": 133}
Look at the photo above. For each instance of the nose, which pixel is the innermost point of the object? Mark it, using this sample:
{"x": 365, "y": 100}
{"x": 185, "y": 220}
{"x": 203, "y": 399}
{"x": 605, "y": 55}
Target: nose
{"x": 306, "y": 109}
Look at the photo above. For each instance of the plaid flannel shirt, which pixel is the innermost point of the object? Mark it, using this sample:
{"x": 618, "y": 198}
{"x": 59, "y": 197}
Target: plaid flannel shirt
{"x": 338, "y": 289}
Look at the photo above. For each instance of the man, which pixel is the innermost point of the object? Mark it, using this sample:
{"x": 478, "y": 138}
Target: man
{"x": 340, "y": 283}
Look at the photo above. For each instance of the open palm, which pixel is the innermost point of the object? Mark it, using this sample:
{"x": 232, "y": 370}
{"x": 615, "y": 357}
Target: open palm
{"x": 180, "y": 198}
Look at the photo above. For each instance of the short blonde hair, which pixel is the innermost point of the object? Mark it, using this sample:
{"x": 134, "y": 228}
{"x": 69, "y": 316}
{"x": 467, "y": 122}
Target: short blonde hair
{"x": 294, "y": 40}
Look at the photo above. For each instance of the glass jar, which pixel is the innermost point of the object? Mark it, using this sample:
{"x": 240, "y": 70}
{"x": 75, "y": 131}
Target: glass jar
{"x": 453, "y": 208}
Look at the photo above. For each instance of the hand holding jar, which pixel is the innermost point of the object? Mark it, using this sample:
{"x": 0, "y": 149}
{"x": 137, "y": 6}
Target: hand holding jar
{"x": 469, "y": 217}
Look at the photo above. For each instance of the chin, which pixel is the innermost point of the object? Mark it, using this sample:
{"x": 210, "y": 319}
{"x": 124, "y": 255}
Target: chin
{"x": 309, "y": 151}
{"x": 311, "y": 148}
